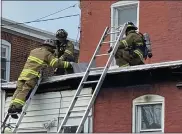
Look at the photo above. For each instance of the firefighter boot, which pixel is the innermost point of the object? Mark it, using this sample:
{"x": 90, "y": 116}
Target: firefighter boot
{"x": 14, "y": 109}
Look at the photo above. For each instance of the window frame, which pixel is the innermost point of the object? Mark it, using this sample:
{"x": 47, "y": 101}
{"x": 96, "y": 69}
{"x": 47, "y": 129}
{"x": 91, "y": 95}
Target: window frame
{"x": 5, "y": 44}
{"x": 114, "y": 12}
{"x": 154, "y": 99}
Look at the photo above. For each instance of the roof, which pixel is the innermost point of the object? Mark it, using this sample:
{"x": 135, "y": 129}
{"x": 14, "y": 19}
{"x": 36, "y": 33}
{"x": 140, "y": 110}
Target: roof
{"x": 112, "y": 70}
{"x": 10, "y": 26}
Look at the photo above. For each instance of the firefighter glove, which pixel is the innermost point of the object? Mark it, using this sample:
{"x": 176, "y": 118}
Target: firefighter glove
{"x": 110, "y": 50}
{"x": 150, "y": 55}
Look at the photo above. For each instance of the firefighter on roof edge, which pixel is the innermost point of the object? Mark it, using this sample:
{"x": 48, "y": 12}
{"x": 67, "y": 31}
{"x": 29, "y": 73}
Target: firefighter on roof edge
{"x": 38, "y": 59}
{"x": 131, "y": 49}
{"x": 65, "y": 50}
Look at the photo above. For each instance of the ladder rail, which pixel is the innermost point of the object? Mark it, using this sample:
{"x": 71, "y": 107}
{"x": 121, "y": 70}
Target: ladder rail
{"x": 26, "y": 105}
{"x": 4, "y": 122}
{"x": 97, "y": 89}
{"x": 81, "y": 83}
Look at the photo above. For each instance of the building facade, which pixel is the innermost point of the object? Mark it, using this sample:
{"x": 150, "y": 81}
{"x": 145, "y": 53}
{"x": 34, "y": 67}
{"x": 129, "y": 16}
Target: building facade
{"x": 161, "y": 19}
{"x": 145, "y": 98}
{"x": 118, "y": 110}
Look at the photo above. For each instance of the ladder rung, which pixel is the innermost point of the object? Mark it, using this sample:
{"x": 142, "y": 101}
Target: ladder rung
{"x": 13, "y": 113}
{"x": 114, "y": 32}
{"x": 88, "y": 82}
{"x": 80, "y": 96}
{"x": 77, "y": 111}
{"x": 97, "y": 68}
{"x": 101, "y": 55}
{"x": 67, "y": 126}
{"x": 109, "y": 41}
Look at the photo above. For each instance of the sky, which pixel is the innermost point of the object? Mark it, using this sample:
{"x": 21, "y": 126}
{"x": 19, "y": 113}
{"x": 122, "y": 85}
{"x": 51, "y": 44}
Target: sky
{"x": 22, "y": 11}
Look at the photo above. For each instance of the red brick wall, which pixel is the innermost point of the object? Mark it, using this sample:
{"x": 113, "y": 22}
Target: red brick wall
{"x": 164, "y": 23}
{"x": 20, "y": 48}
{"x": 95, "y": 16}
{"x": 113, "y": 108}
{"x": 161, "y": 19}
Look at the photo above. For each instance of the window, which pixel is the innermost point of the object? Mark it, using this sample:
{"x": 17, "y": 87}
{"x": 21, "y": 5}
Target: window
{"x": 148, "y": 114}
{"x": 5, "y": 60}
{"x": 121, "y": 12}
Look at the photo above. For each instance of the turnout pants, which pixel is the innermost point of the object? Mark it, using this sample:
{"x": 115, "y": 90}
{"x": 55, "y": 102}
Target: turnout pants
{"x": 23, "y": 89}
{"x": 124, "y": 58}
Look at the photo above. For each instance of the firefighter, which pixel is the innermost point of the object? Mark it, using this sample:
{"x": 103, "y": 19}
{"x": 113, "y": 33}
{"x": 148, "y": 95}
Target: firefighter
{"x": 65, "y": 51}
{"x": 131, "y": 49}
{"x": 38, "y": 59}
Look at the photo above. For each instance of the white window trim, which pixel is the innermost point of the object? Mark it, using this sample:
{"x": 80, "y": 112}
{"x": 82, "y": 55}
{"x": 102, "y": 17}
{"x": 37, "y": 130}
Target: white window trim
{"x": 114, "y": 11}
{"x": 123, "y": 4}
{"x": 7, "y": 45}
{"x": 153, "y": 99}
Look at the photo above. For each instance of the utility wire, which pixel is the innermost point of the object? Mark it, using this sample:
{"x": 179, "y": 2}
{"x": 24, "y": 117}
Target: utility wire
{"x": 46, "y": 15}
{"x": 56, "y": 12}
{"x": 43, "y": 20}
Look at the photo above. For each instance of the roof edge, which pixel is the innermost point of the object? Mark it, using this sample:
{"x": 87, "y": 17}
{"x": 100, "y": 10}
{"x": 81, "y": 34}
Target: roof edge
{"x": 112, "y": 70}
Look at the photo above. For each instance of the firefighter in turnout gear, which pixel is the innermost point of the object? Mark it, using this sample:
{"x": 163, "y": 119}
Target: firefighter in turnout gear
{"x": 65, "y": 51}
{"x": 38, "y": 59}
{"x": 131, "y": 49}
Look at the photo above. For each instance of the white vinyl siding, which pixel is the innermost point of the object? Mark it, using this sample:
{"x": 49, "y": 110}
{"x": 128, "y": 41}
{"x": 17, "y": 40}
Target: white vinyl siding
{"x": 47, "y": 107}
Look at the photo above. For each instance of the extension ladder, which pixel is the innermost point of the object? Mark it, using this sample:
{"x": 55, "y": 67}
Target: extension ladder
{"x": 3, "y": 126}
{"x": 98, "y": 82}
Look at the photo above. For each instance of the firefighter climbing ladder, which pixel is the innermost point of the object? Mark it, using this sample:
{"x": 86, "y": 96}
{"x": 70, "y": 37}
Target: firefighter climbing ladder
{"x": 99, "y": 82}
{"x": 23, "y": 111}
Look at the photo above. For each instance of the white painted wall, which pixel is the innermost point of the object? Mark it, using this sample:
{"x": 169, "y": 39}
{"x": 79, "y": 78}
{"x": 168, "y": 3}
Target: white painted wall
{"x": 49, "y": 106}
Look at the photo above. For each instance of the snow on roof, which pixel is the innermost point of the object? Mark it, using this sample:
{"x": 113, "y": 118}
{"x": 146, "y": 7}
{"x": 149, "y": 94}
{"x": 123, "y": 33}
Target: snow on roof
{"x": 112, "y": 70}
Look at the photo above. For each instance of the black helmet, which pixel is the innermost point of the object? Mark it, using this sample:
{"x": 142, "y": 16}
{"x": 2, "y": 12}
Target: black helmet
{"x": 131, "y": 25}
{"x": 61, "y": 33}
{"x": 49, "y": 42}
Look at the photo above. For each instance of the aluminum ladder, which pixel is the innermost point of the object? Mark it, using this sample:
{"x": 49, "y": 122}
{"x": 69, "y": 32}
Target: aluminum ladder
{"x": 99, "y": 82}
{"x": 3, "y": 126}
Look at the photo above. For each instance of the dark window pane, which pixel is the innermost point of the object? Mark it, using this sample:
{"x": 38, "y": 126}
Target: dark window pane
{"x": 151, "y": 116}
{"x": 3, "y": 52}
{"x": 3, "y": 63}
{"x": 3, "y": 74}
{"x": 71, "y": 129}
